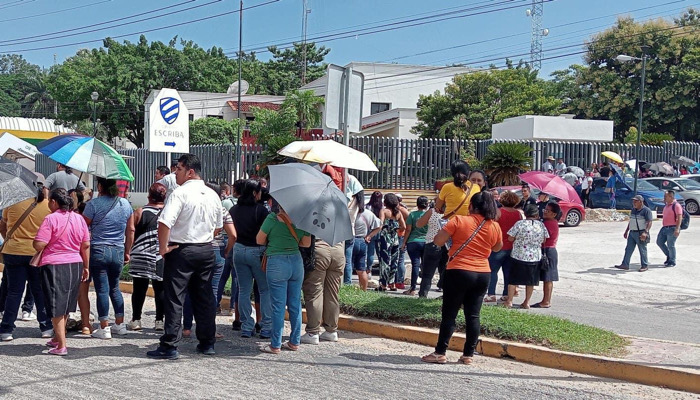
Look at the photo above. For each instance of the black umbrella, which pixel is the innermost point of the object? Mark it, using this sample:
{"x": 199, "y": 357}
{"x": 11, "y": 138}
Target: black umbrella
{"x": 16, "y": 183}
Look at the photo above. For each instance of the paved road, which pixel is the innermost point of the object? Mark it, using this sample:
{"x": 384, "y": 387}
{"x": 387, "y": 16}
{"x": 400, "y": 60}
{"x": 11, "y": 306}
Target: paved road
{"x": 662, "y": 303}
{"x": 356, "y": 367}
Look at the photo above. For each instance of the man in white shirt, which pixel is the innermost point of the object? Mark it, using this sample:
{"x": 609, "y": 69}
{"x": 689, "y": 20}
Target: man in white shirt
{"x": 167, "y": 179}
{"x": 185, "y": 232}
{"x": 547, "y": 165}
{"x": 560, "y": 167}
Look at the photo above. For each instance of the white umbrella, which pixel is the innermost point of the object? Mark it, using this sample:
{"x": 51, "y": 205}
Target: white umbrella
{"x": 329, "y": 152}
{"x": 632, "y": 164}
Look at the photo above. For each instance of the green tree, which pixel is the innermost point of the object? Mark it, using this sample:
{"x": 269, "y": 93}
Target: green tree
{"x": 125, "y": 73}
{"x": 214, "y": 131}
{"x": 274, "y": 130}
{"x": 609, "y": 89}
{"x": 306, "y": 104}
{"x": 475, "y": 101}
{"x": 16, "y": 75}
{"x": 37, "y": 102}
{"x": 285, "y": 68}
{"x": 504, "y": 161}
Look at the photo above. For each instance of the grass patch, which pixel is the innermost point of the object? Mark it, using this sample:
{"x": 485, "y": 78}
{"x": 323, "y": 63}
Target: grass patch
{"x": 497, "y": 322}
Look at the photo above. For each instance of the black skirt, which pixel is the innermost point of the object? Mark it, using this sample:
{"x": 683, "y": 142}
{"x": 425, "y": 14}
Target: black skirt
{"x": 552, "y": 273}
{"x": 524, "y": 273}
{"x": 60, "y": 283}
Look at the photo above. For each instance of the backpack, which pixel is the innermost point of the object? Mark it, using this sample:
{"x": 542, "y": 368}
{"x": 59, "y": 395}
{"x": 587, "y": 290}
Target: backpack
{"x": 685, "y": 220}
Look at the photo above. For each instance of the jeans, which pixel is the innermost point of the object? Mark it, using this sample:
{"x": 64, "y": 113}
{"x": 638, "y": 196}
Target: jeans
{"x": 498, "y": 260}
{"x": 347, "y": 274}
{"x": 359, "y": 255}
{"x": 401, "y": 267}
{"x": 106, "y": 263}
{"x": 633, "y": 241}
{"x": 434, "y": 259}
{"x": 372, "y": 249}
{"x": 27, "y": 305}
{"x": 462, "y": 289}
{"x": 285, "y": 275}
{"x": 415, "y": 253}
{"x": 667, "y": 243}
{"x": 19, "y": 272}
{"x": 247, "y": 263}
{"x": 613, "y": 202}
{"x": 229, "y": 270}
{"x": 187, "y": 314}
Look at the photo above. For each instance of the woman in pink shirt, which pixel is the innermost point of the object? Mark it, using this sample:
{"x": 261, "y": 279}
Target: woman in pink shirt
{"x": 64, "y": 239}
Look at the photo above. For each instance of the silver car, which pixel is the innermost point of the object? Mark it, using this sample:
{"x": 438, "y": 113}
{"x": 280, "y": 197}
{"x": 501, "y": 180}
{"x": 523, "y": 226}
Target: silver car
{"x": 687, "y": 188}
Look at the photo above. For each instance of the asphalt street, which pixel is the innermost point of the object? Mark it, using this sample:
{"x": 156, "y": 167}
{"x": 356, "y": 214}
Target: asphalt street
{"x": 357, "y": 367}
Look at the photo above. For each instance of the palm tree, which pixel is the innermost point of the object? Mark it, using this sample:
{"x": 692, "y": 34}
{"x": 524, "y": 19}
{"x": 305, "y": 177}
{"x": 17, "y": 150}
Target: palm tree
{"x": 504, "y": 161}
{"x": 306, "y": 104}
{"x": 38, "y": 102}
{"x": 455, "y": 128}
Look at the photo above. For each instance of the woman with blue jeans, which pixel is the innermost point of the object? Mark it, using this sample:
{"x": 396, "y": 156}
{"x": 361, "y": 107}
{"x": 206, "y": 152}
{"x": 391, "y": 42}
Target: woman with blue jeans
{"x": 415, "y": 242}
{"x": 107, "y": 217}
{"x": 367, "y": 226}
{"x": 285, "y": 276}
{"x": 248, "y": 216}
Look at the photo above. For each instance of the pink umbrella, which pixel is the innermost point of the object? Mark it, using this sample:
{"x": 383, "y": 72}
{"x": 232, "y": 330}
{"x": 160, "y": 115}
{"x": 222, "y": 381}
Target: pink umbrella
{"x": 552, "y": 185}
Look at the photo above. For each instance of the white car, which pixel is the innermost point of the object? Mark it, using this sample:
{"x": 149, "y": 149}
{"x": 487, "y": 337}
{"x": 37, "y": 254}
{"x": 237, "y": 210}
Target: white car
{"x": 687, "y": 188}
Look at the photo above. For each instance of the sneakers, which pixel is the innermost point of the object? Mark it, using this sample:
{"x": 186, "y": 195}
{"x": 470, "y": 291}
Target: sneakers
{"x": 329, "y": 336}
{"x": 135, "y": 325}
{"x": 163, "y": 354}
{"x": 309, "y": 338}
{"x": 644, "y": 268}
{"x": 47, "y": 334}
{"x": 102, "y": 333}
{"x": 6, "y": 337}
{"x": 236, "y": 325}
{"x": 160, "y": 326}
{"x": 59, "y": 352}
{"x": 207, "y": 351}
{"x": 52, "y": 343}
{"x": 119, "y": 329}
{"x": 28, "y": 316}
{"x": 623, "y": 267}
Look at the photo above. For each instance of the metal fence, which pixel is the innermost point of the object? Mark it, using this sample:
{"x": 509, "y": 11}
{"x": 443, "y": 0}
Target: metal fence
{"x": 402, "y": 163}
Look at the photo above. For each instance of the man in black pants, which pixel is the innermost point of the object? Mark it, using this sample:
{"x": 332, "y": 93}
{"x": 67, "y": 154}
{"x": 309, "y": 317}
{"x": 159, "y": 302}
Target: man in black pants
{"x": 185, "y": 232}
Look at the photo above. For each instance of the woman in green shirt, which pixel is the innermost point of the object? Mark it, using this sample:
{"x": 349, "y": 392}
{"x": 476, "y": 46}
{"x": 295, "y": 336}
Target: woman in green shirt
{"x": 415, "y": 242}
{"x": 285, "y": 275}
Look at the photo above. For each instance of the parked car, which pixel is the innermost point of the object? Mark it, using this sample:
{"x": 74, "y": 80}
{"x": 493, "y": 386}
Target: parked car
{"x": 653, "y": 197}
{"x": 695, "y": 177}
{"x": 571, "y": 213}
{"x": 687, "y": 188}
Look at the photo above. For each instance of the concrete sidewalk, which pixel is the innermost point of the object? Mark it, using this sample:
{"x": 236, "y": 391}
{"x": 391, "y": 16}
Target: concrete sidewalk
{"x": 357, "y": 367}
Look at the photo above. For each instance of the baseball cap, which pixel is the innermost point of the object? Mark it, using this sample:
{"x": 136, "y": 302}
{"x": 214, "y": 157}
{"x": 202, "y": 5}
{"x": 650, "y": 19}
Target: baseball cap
{"x": 398, "y": 195}
{"x": 639, "y": 198}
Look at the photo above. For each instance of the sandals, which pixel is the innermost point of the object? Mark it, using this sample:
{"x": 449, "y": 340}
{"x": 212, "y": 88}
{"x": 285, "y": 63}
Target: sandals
{"x": 434, "y": 358}
{"x": 465, "y": 360}
{"x": 270, "y": 350}
{"x": 490, "y": 299}
{"x": 410, "y": 292}
{"x": 289, "y": 346}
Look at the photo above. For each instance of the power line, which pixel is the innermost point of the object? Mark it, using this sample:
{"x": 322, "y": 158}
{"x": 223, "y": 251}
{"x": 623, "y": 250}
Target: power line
{"x": 15, "y": 4}
{"x": 55, "y": 12}
{"x": 140, "y": 32}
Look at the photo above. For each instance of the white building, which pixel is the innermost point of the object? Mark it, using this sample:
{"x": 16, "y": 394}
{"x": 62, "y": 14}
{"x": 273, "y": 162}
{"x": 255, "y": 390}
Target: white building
{"x": 562, "y": 127}
{"x": 391, "y": 95}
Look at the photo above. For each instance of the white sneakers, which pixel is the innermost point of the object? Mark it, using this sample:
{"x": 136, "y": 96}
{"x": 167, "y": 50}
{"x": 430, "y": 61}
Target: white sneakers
{"x": 119, "y": 329}
{"x": 309, "y": 338}
{"x": 47, "y": 333}
{"x": 102, "y": 333}
{"x": 160, "y": 326}
{"x": 329, "y": 336}
{"x": 28, "y": 316}
{"x": 135, "y": 325}
{"x": 6, "y": 337}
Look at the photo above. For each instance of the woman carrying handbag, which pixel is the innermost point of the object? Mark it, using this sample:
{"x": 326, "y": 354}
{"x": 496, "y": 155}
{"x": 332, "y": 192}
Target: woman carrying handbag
{"x": 467, "y": 277}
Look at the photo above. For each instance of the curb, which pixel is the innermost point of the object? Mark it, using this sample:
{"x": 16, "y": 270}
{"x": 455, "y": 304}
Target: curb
{"x": 604, "y": 367}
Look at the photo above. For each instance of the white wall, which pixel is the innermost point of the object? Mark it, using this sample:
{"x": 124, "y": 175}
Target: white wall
{"x": 538, "y": 127}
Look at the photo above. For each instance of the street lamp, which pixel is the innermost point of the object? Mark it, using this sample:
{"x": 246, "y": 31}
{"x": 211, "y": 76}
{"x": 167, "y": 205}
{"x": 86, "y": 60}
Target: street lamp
{"x": 643, "y": 59}
{"x": 94, "y": 96}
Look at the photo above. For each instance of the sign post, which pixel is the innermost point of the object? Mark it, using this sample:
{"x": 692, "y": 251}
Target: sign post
{"x": 167, "y": 124}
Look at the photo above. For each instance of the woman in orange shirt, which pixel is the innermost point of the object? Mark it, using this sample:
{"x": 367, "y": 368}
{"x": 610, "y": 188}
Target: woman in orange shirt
{"x": 467, "y": 277}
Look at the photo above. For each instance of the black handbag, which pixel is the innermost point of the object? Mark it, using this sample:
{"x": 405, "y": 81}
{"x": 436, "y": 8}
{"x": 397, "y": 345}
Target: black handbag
{"x": 544, "y": 261}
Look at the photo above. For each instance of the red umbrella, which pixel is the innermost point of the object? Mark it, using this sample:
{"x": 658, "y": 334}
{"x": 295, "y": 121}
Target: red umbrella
{"x": 552, "y": 185}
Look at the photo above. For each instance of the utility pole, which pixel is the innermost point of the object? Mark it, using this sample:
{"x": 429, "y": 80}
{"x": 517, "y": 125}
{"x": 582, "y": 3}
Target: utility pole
{"x": 304, "y": 26}
{"x": 55, "y": 104}
{"x": 240, "y": 73}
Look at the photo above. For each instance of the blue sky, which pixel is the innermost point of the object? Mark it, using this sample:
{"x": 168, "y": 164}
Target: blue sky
{"x": 570, "y": 23}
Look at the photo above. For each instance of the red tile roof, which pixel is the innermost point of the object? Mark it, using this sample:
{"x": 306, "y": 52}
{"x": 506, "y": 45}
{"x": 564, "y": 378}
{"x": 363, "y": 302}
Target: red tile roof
{"x": 247, "y": 105}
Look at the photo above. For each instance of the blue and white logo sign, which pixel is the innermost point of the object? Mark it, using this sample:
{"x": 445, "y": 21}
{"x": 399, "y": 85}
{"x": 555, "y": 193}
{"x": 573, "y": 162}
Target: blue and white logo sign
{"x": 166, "y": 131}
{"x": 169, "y": 109}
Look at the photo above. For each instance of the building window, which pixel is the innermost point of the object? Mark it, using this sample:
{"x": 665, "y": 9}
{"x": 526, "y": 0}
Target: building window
{"x": 379, "y": 107}
{"x": 191, "y": 117}
{"x": 215, "y": 116}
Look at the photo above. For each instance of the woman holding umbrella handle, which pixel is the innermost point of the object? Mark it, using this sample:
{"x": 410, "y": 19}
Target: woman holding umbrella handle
{"x": 285, "y": 275}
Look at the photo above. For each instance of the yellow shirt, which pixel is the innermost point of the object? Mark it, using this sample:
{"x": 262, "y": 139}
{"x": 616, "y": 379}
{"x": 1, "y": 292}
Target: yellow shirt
{"x": 20, "y": 244}
{"x": 453, "y": 196}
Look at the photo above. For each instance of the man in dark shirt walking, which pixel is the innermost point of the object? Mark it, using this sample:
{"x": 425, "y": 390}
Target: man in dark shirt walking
{"x": 637, "y": 233}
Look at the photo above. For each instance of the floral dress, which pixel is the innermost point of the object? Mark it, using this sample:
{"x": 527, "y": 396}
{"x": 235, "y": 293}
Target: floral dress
{"x": 527, "y": 251}
{"x": 388, "y": 251}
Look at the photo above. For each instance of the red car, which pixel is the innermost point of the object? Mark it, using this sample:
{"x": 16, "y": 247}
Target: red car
{"x": 571, "y": 213}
